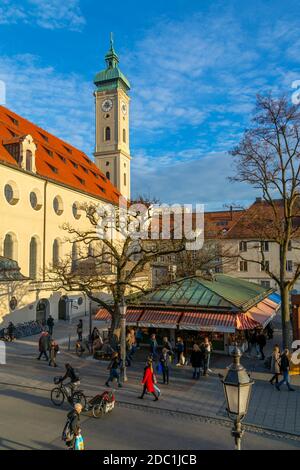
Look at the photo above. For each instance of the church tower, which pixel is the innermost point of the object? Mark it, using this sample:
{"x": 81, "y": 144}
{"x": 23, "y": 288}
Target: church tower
{"x": 112, "y": 154}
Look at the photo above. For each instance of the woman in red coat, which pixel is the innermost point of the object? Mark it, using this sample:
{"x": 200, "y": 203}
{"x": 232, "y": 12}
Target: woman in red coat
{"x": 148, "y": 381}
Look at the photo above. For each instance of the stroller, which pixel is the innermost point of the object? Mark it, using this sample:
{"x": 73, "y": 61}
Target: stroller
{"x": 101, "y": 404}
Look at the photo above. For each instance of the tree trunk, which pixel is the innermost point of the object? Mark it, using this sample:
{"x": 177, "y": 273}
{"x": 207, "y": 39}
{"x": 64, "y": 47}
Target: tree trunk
{"x": 285, "y": 316}
{"x": 115, "y": 328}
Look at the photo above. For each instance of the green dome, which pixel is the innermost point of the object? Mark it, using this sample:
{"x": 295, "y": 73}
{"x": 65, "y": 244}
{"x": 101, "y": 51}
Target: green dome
{"x": 112, "y": 77}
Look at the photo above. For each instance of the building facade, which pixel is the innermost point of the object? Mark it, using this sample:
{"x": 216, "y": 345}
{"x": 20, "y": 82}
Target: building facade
{"x": 44, "y": 184}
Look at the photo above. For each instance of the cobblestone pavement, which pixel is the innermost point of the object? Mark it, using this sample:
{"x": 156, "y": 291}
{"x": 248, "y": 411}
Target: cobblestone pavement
{"x": 269, "y": 409}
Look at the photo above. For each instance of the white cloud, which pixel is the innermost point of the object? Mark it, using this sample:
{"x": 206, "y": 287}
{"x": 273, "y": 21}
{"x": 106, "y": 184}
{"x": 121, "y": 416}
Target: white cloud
{"x": 49, "y": 14}
{"x": 199, "y": 181}
{"x": 61, "y": 103}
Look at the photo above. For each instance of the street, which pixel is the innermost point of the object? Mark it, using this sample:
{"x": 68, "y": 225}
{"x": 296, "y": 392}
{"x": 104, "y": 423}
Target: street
{"x": 29, "y": 421}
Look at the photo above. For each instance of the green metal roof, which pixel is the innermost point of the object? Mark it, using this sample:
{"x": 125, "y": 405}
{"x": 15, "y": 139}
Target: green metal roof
{"x": 222, "y": 292}
{"x": 111, "y": 77}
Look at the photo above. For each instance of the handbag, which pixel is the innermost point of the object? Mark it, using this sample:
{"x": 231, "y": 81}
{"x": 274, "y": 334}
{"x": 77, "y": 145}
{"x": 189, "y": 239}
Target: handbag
{"x": 79, "y": 443}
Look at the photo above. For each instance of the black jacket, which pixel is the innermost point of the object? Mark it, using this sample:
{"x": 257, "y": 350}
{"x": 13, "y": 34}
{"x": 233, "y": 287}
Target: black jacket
{"x": 74, "y": 418}
{"x": 196, "y": 358}
{"x": 50, "y": 321}
{"x": 71, "y": 374}
{"x": 285, "y": 363}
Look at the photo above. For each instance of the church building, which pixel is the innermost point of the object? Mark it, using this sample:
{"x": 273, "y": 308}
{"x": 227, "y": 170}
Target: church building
{"x": 44, "y": 182}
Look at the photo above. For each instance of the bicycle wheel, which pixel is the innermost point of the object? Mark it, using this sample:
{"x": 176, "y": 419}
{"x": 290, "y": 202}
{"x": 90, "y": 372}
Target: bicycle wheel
{"x": 79, "y": 397}
{"x": 98, "y": 411}
{"x": 57, "y": 396}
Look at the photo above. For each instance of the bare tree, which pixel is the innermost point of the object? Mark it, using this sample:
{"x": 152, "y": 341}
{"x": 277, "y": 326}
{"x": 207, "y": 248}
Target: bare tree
{"x": 212, "y": 256}
{"x": 267, "y": 158}
{"x": 108, "y": 258}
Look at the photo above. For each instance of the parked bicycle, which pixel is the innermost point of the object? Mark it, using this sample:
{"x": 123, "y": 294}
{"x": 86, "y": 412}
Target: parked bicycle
{"x": 66, "y": 392}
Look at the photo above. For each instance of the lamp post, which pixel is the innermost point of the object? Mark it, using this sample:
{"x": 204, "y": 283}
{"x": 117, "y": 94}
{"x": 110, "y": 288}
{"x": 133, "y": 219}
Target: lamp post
{"x": 237, "y": 389}
{"x": 123, "y": 309}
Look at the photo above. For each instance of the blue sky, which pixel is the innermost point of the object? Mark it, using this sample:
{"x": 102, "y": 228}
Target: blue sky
{"x": 195, "y": 67}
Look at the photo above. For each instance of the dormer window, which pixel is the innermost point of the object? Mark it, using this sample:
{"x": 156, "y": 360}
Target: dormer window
{"x": 29, "y": 163}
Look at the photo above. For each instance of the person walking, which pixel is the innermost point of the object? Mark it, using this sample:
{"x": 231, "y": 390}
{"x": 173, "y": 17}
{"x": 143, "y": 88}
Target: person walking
{"x": 54, "y": 348}
{"x": 165, "y": 362}
{"x": 285, "y": 367}
{"x": 79, "y": 330}
{"x": 11, "y": 331}
{"x": 196, "y": 361}
{"x": 208, "y": 350}
{"x": 113, "y": 368}
{"x": 148, "y": 381}
{"x": 252, "y": 342}
{"x": 44, "y": 344}
{"x": 261, "y": 341}
{"x": 138, "y": 337}
{"x": 153, "y": 346}
{"x": 72, "y": 428}
{"x": 180, "y": 352}
{"x": 50, "y": 324}
{"x": 275, "y": 365}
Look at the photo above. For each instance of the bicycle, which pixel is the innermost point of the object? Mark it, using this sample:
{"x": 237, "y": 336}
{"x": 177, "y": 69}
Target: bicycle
{"x": 62, "y": 392}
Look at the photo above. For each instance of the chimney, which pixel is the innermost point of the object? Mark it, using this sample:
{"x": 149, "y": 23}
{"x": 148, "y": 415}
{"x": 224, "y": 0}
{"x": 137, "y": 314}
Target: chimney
{"x": 258, "y": 199}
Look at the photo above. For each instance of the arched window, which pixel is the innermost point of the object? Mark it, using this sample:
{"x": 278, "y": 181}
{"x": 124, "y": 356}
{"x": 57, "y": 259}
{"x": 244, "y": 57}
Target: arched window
{"x": 124, "y": 135}
{"x": 91, "y": 250}
{"x": 56, "y": 252}
{"x": 108, "y": 175}
{"x": 28, "y": 160}
{"x": 124, "y": 179}
{"x": 74, "y": 256}
{"x": 33, "y": 258}
{"x": 10, "y": 246}
{"x": 107, "y": 133}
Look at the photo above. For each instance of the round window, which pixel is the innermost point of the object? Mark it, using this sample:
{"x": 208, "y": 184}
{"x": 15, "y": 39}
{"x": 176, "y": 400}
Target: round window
{"x": 35, "y": 200}
{"x": 80, "y": 301}
{"x": 10, "y": 194}
{"x": 76, "y": 210}
{"x": 58, "y": 205}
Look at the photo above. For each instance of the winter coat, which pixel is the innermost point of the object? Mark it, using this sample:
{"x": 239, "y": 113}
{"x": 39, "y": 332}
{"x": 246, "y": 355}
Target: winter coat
{"x": 165, "y": 361}
{"x": 261, "y": 340}
{"x": 44, "y": 343}
{"x": 148, "y": 380}
{"x": 285, "y": 363}
{"x": 50, "y": 321}
{"x": 196, "y": 358}
{"x": 275, "y": 363}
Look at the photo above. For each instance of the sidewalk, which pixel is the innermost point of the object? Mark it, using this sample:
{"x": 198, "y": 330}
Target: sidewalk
{"x": 278, "y": 411}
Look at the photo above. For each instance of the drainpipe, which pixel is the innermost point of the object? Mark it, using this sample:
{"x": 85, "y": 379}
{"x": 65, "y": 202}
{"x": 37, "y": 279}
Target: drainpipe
{"x": 44, "y": 230}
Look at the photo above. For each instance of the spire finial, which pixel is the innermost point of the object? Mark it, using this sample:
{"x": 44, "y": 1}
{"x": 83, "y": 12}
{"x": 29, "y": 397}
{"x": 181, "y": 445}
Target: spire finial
{"x": 111, "y": 40}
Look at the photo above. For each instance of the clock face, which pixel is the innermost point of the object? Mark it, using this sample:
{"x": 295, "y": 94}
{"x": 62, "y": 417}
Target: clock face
{"x": 107, "y": 105}
{"x": 124, "y": 107}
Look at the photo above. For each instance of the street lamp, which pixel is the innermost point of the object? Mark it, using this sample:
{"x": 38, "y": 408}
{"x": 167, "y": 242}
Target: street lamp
{"x": 237, "y": 389}
{"x": 123, "y": 309}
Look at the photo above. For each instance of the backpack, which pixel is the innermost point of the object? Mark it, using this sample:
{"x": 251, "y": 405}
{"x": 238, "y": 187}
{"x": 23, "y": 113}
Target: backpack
{"x": 67, "y": 434}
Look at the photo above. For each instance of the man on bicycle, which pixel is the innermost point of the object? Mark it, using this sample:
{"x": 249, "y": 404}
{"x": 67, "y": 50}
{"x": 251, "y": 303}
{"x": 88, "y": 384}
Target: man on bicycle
{"x": 74, "y": 378}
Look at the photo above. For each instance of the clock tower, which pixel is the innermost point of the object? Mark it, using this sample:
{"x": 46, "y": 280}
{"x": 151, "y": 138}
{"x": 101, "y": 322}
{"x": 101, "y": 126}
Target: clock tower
{"x": 112, "y": 153}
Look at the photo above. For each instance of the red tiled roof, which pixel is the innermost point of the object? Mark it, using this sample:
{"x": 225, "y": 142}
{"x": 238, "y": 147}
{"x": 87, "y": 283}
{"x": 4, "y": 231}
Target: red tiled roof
{"x": 259, "y": 222}
{"x": 55, "y": 159}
